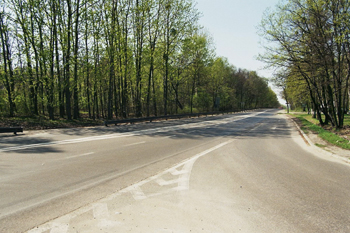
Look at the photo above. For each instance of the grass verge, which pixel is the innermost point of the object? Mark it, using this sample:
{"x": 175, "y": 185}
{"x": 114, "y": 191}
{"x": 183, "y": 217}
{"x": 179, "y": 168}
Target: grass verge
{"x": 326, "y": 135}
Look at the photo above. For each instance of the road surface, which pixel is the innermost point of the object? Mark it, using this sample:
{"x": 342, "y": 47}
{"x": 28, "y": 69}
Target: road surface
{"x": 246, "y": 172}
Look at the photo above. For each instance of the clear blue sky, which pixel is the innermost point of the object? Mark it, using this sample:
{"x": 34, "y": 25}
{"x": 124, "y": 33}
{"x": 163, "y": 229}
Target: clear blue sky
{"x": 233, "y": 26}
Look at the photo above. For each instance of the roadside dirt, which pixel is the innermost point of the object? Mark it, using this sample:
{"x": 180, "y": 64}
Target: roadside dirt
{"x": 319, "y": 142}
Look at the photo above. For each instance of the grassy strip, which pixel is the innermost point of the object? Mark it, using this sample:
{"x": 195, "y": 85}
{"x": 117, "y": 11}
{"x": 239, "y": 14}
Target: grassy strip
{"x": 324, "y": 134}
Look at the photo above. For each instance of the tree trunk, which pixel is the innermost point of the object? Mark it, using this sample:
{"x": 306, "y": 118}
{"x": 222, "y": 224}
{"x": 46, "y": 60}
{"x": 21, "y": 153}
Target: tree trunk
{"x": 76, "y": 48}
{"x": 67, "y": 63}
{"x": 7, "y": 63}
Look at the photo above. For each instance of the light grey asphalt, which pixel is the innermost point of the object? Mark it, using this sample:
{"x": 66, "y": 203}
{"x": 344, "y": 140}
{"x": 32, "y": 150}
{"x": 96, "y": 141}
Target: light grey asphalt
{"x": 262, "y": 175}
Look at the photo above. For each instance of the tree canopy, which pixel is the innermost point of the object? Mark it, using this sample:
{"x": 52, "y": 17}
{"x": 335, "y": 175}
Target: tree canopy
{"x": 310, "y": 47}
{"x": 121, "y": 58}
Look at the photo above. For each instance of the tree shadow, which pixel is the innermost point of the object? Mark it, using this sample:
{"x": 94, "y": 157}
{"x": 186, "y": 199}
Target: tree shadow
{"x": 25, "y": 145}
{"x": 262, "y": 126}
{"x": 230, "y": 126}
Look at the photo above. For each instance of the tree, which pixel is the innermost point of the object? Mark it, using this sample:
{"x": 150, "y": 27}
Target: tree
{"x": 153, "y": 11}
{"x": 60, "y": 58}
{"x": 7, "y": 71}
{"x": 309, "y": 39}
{"x": 180, "y": 19}
{"x": 76, "y": 49}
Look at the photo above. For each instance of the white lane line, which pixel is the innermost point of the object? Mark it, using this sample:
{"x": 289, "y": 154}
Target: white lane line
{"x": 163, "y": 182}
{"x": 129, "y": 134}
{"x": 175, "y": 172}
{"x": 77, "y": 156}
{"x": 43, "y": 164}
{"x": 100, "y": 209}
{"x": 183, "y": 180}
{"x": 64, "y": 142}
{"x": 38, "y": 135}
{"x": 135, "y": 144}
{"x": 94, "y": 183}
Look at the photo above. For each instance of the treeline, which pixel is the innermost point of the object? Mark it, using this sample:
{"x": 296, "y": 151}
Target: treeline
{"x": 115, "y": 58}
{"x": 311, "y": 49}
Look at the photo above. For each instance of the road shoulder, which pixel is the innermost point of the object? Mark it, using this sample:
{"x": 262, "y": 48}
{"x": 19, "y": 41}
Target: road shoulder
{"x": 321, "y": 145}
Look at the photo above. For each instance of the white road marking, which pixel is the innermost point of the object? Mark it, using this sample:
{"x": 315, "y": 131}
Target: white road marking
{"x": 163, "y": 182}
{"x": 129, "y": 134}
{"x": 182, "y": 181}
{"x": 39, "y": 134}
{"x": 60, "y": 225}
{"x": 175, "y": 172}
{"x": 64, "y": 142}
{"x": 92, "y": 184}
{"x": 136, "y": 192}
{"x": 101, "y": 214}
{"x": 77, "y": 156}
{"x": 100, "y": 209}
{"x": 134, "y": 144}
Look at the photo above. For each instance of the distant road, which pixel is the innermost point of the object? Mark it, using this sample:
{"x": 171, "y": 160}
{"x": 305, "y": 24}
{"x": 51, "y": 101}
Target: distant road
{"x": 248, "y": 172}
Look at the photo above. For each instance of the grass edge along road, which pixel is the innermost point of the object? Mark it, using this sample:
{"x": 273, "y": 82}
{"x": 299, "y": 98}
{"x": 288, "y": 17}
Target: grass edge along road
{"x": 334, "y": 137}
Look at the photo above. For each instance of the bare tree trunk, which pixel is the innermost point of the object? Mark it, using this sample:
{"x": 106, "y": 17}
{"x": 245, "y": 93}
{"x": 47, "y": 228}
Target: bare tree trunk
{"x": 7, "y": 63}
{"x": 67, "y": 63}
{"x": 87, "y": 88}
{"x": 76, "y": 48}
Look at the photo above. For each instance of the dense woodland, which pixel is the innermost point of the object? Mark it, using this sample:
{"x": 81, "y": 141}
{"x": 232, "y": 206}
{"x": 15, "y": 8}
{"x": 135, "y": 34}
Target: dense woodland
{"x": 116, "y": 59}
{"x": 310, "y": 47}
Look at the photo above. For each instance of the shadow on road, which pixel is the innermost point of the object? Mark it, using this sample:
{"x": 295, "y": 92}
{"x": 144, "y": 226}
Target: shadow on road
{"x": 22, "y": 144}
{"x": 241, "y": 125}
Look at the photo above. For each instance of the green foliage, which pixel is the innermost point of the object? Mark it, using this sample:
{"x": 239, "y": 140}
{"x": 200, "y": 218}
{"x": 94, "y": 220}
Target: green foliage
{"x": 204, "y": 101}
{"x": 324, "y": 134}
{"x": 308, "y": 43}
{"x": 110, "y": 59}
{"x": 43, "y": 122}
{"x": 187, "y": 110}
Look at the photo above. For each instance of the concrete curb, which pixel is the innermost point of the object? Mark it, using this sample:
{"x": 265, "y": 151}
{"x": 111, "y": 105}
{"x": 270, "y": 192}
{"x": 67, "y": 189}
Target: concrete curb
{"x": 310, "y": 143}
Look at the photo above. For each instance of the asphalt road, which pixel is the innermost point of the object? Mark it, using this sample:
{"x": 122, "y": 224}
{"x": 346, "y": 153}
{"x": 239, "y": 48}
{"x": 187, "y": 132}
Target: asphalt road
{"x": 247, "y": 172}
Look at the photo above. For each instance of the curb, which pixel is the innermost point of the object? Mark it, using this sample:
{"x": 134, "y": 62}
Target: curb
{"x": 310, "y": 143}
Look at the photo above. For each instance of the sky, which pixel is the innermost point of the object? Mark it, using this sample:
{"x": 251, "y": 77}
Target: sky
{"x": 233, "y": 26}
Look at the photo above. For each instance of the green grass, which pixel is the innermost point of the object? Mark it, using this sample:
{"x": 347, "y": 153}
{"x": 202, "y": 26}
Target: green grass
{"x": 308, "y": 123}
{"x": 320, "y": 145}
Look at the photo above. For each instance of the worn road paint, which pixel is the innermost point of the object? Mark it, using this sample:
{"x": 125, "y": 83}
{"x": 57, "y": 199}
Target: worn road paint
{"x": 77, "y": 156}
{"x": 100, "y": 209}
{"x": 135, "y": 144}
